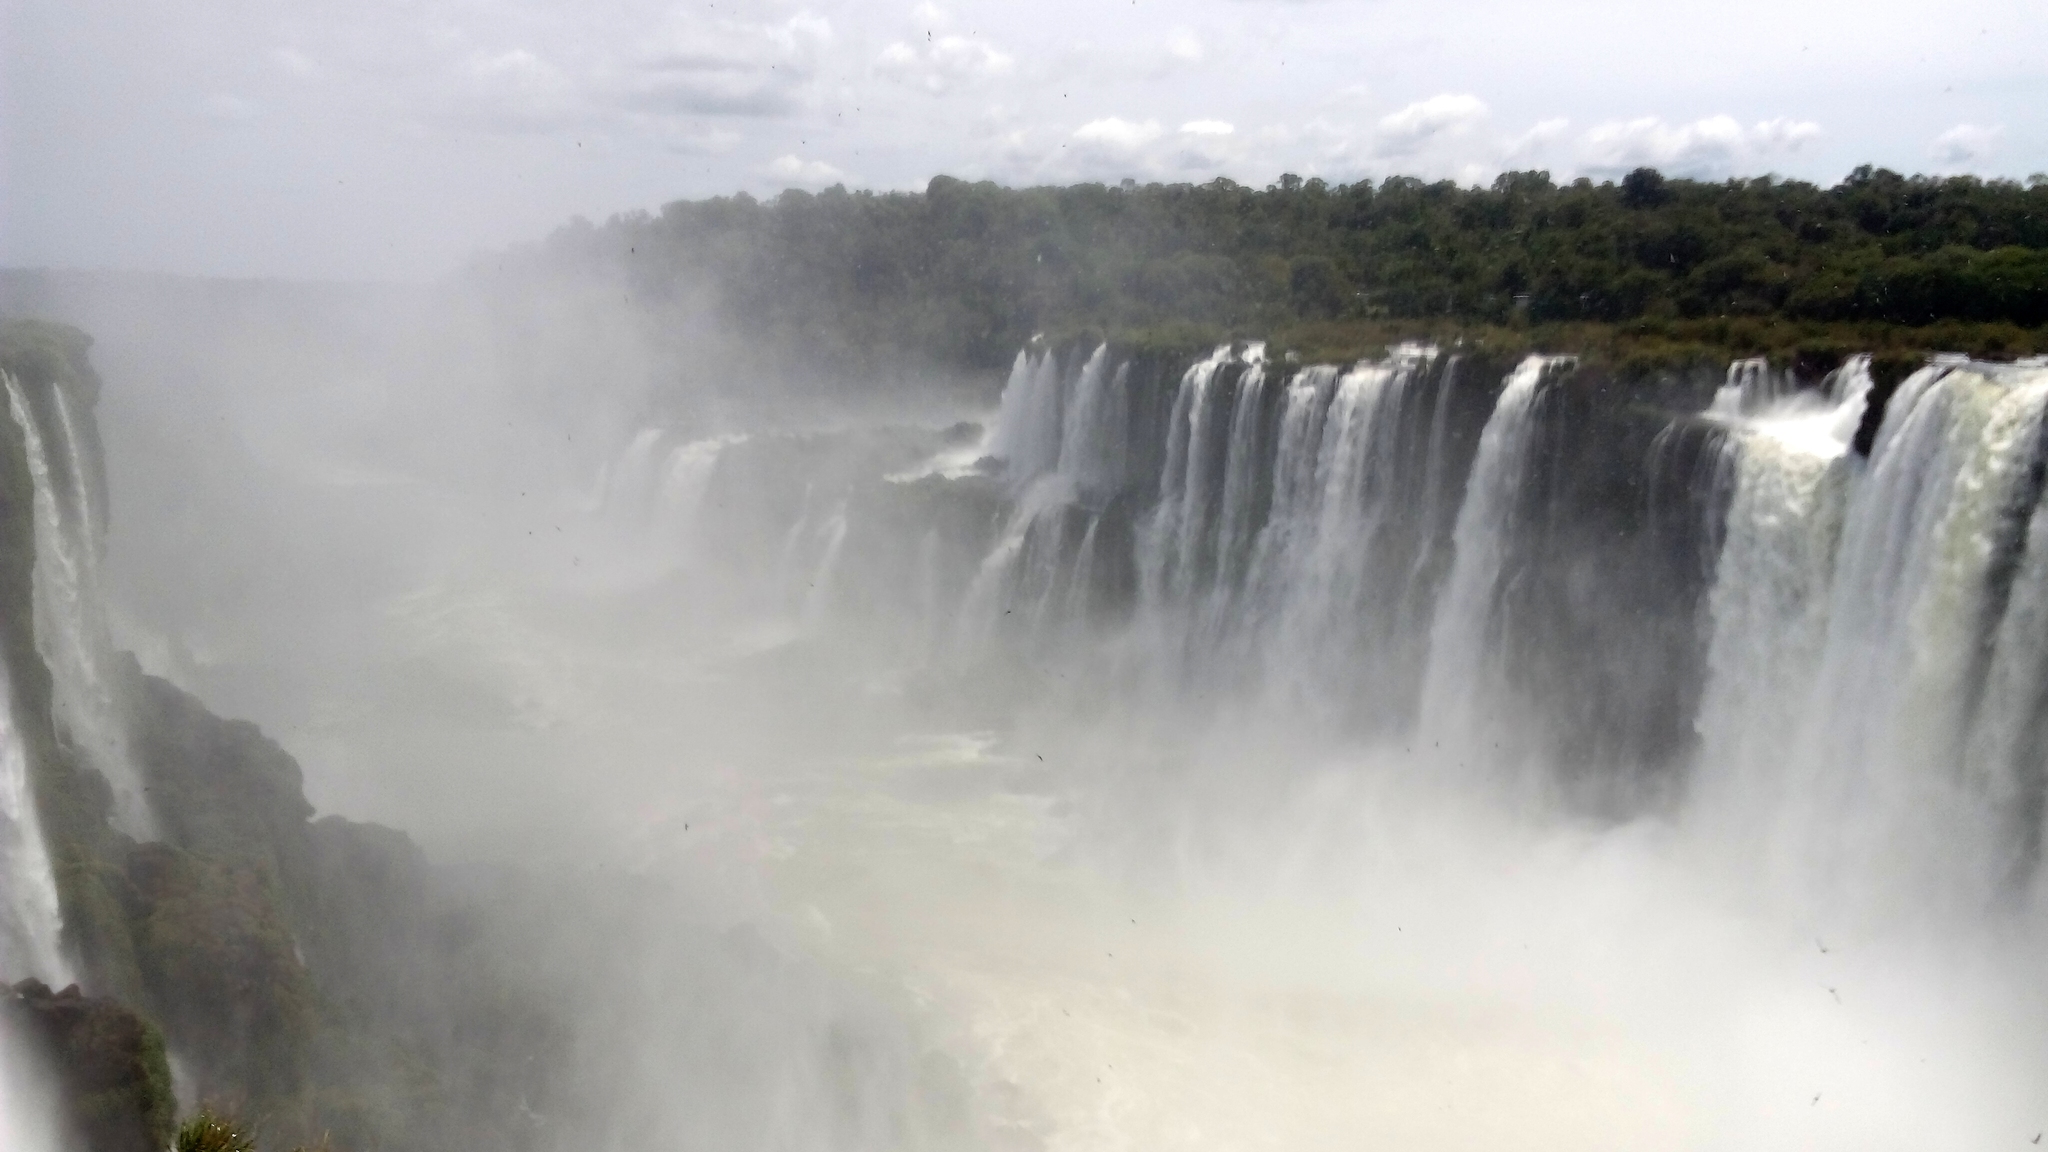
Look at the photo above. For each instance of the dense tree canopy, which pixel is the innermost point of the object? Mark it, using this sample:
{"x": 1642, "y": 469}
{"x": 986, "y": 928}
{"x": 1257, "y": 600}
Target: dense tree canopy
{"x": 966, "y": 272}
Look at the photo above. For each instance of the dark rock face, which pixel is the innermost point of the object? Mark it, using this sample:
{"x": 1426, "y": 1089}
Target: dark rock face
{"x": 108, "y": 1063}
{"x": 1610, "y": 560}
{"x": 316, "y": 972}
{"x": 220, "y": 970}
{"x": 218, "y": 787}
{"x": 320, "y": 976}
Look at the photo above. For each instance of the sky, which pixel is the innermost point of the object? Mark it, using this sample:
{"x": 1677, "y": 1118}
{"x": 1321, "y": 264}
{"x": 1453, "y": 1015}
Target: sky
{"x": 396, "y": 139}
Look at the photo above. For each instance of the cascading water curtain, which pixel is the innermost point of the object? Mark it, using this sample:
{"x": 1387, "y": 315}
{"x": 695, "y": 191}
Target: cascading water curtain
{"x": 1872, "y": 723}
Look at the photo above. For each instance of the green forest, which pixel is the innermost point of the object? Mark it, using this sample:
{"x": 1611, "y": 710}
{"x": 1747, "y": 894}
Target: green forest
{"x": 964, "y": 273}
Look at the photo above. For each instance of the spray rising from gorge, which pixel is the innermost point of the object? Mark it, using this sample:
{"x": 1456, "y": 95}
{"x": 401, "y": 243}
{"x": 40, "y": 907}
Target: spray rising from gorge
{"x": 1177, "y": 750}
{"x": 1864, "y": 683}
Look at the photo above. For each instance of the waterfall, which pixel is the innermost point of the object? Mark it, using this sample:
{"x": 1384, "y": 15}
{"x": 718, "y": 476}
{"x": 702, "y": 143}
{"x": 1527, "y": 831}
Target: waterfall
{"x": 1019, "y": 583}
{"x": 625, "y": 488}
{"x": 1858, "y": 645}
{"x": 1193, "y": 549}
{"x": 807, "y": 565}
{"x": 1349, "y": 536}
{"x": 818, "y": 587}
{"x": 2006, "y": 757}
{"x": 70, "y": 617}
{"x": 1754, "y": 386}
{"x": 1770, "y": 603}
{"x": 1291, "y": 540}
{"x": 1919, "y": 542}
{"x": 1092, "y": 429}
{"x": 1175, "y": 548}
{"x": 92, "y": 522}
{"x": 651, "y": 496}
{"x": 1029, "y": 425}
{"x": 1246, "y": 480}
{"x": 1873, "y": 712}
{"x": 30, "y": 922}
{"x": 28, "y": 1120}
{"x": 31, "y": 919}
{"x": 1462, "y": 672}
{"x": 1295, "y": 541}
{"x": 683, "y": 481}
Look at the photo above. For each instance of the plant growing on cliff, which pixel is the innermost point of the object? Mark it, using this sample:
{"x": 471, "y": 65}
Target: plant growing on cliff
{"x": 211, "y": 1132}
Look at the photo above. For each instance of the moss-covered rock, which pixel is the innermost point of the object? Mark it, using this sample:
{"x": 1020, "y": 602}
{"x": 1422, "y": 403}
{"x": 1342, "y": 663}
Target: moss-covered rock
{"x": 43, "y": 352}
{"x": 220, "y": 788}
{"x": 220, "y": 969}
{"x": 107, "y": 1061}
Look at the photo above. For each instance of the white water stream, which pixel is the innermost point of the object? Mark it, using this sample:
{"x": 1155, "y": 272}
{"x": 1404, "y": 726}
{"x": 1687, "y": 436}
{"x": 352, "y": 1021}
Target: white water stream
{"x": 70, "y": 611}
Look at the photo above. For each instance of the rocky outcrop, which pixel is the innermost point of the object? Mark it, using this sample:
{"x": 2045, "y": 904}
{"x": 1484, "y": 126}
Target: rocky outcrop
{"x": 314, "y": 971}
{"x": 315, "y": 975}
{"x": 106, "y": 1060}
{"x": 219, "y": 969}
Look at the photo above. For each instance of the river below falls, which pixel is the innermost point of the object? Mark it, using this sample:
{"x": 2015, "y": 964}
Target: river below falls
{"x": 1121, "y": 937}
{"x": 1401, "y": 969}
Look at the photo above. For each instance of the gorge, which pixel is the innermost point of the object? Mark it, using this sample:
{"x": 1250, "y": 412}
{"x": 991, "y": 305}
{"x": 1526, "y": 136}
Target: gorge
{"x": 1502, "y": 734}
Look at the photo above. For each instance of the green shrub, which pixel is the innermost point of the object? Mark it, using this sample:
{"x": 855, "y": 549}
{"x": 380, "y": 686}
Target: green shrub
{"x": 211, "y": 1132}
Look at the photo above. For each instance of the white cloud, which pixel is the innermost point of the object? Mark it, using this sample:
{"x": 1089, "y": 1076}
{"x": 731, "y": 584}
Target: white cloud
{"x": 1784, "y": 135}
{"x": 1649, "y": 142}
{"x": 800, "y": 173}
{"x": 943, "y": 63}
{"x": 1117, "y": 133}
{"x": 1204, "y": 148}
{"x": 1715, "y": 145}
{"x": 1185, "y": 46}
{"x": 1319, "y": 146}
{"x": 1536, "y": 139}
{"x": 1108, "y": 148}
{"x": 1016, "y": 153}
{"x": 1965, "y": 144}
{"x": 1408, "y": 130}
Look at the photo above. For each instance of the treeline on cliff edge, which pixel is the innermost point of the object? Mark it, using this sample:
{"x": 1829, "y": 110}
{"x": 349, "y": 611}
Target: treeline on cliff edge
{"x": 965, "y": 273}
